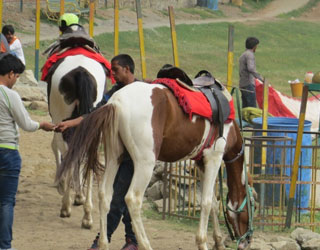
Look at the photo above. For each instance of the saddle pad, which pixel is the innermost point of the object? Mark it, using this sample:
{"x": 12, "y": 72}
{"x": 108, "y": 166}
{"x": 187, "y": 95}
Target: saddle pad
{"x": 192, "y": 102}
{"x": 72, "y": 52}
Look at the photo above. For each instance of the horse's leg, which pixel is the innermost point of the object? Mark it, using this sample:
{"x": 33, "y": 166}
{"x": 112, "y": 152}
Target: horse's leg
{"x": 217, "y": 235}
{"x": 57, "y": 156}
{"x": 87, "y": 207}
{"x": 59, "y": 148}
{"x": 79, "y": 198}
{"x": 65, "y": 210}
{"x": 212, "y": 160}
{"x": 105, "y": 196}
{"x": 142, "y": 174}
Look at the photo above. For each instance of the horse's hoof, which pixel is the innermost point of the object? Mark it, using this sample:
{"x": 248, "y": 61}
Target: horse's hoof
{"x": 220, "y": 247}
{"x": 86, "y": 224}
{"x": 65, "y": 214}
{"x": 78, "y": 200}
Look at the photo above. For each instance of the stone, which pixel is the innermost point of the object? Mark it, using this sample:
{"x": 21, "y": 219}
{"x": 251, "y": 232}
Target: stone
{"x": 302, "y": 235}
{"x": 258, "y": 244}
{"x": 285, "y": 245}
{"x": 159, "y": 205}
{"x": 155, "y": 191}
{"x": 27, "y": 78}
{"x": 39, "y": 105}
{"x": 312, "y": 244}
{"x": 30, "y": 93}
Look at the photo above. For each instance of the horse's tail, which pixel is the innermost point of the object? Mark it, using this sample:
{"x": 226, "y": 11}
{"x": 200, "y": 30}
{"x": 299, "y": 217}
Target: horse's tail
{"x": 84, "y": 146}
{"x": 86, "y": 91}
{"x": 81, "y": 85}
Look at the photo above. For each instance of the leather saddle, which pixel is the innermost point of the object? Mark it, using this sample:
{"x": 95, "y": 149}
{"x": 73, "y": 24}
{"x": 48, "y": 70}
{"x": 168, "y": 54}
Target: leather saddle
{"x": 74, "y": 36}
{"x": 217, "y": 95}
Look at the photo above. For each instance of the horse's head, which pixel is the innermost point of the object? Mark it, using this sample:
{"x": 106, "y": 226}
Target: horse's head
{"x": 241, "y": 195}
{"x": 240, "y": 212}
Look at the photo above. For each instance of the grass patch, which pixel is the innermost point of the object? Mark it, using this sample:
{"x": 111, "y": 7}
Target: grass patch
{"x": 253, "y": 5}
{"x": 44, "y": 18}
{"x": 287, "y": 49}
{"x": 257, "y": 4}
{"x": 164, "y": 12}
{"x": 299, "y": 12}
{"x": 36, "y": 112}
{"x": 203, "y": 13}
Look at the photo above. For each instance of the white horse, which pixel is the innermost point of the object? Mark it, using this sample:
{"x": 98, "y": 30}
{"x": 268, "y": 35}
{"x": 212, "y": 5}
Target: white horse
{"x": 147, "y": 120}
{"x": 75, "y": 85}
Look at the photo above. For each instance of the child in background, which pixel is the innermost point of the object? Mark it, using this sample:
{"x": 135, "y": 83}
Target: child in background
{"x": 14, "y": 43}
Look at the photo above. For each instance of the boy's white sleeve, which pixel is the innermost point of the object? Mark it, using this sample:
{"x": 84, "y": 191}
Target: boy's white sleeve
{"x": 21, "y": 115}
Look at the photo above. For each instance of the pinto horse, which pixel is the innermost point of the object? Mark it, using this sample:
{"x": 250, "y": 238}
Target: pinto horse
{"x": 76, "y": 84}
{"x": 147, "y": 120}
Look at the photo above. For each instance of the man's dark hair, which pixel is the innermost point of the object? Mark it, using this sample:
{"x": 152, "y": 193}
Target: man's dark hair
{"x": 9, "y": 62}
{"x": 251, "y": 42}
{"x": 124, "y": 60}
{"x": 8, "y": 29}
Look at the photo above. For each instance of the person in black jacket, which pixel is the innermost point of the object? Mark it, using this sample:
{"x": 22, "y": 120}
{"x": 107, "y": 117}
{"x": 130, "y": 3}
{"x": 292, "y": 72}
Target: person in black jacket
{"x": 122, "y": 67}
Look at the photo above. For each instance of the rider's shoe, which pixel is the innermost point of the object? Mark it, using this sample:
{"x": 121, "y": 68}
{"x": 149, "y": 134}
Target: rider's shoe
{"x": 130, "y": 245}
{"x": 94, "y": 245}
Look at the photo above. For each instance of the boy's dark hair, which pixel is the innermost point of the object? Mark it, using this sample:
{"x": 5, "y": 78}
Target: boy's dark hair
{"x": 9, "y": 62}
{"x": 8, "y": 29}
{"x": 124, "y": 60}
{"x": 251, "y": 42}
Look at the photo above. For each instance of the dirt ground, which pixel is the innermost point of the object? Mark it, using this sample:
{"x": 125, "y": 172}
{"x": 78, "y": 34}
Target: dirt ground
{"x": 37, "y": 223}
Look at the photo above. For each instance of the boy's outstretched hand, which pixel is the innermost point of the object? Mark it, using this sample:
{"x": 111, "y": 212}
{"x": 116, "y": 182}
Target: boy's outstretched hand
{"x": 47, "y": 126}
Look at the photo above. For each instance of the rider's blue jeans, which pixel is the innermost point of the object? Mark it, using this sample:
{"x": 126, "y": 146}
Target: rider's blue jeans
{"x": 10, "y": 165}
{"x": 118, "y": 207}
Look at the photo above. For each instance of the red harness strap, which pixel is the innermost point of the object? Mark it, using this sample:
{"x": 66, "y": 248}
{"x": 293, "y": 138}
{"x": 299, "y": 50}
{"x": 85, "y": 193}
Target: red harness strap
{"x": 208, "y": 143}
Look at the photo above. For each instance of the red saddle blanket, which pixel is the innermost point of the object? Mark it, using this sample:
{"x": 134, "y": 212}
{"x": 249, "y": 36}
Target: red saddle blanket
{"x": 192, "y": 102}
{"x": 72, "y": 52}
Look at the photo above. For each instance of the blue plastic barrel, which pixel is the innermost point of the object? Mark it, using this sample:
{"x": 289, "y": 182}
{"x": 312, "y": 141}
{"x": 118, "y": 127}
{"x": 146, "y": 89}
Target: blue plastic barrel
{"x": 212, "y": 4}
{"x": 282, "y": 124}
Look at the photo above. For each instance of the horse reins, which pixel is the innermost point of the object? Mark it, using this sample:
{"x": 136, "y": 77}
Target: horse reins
{"x": 249, "y": 200}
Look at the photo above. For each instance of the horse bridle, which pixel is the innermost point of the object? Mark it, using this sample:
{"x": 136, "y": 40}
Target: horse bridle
{"x": 249, "y": 200}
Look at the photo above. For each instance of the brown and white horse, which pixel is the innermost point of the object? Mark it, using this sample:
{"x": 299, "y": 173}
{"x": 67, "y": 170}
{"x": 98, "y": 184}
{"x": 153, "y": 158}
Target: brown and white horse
{"x": 147, "y": 120}
{"x": 75, "y": 85}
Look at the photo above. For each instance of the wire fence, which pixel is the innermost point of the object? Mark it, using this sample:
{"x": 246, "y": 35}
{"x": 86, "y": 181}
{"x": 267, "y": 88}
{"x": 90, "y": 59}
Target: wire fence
{"x": 182, "y": 195}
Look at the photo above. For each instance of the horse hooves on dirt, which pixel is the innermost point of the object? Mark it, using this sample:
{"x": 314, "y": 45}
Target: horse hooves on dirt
{"x": 79, "y": 200}
{"x": 86, "y": 225}
{"x": 77, "y": 203}
{"x": 65, "y": 214}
